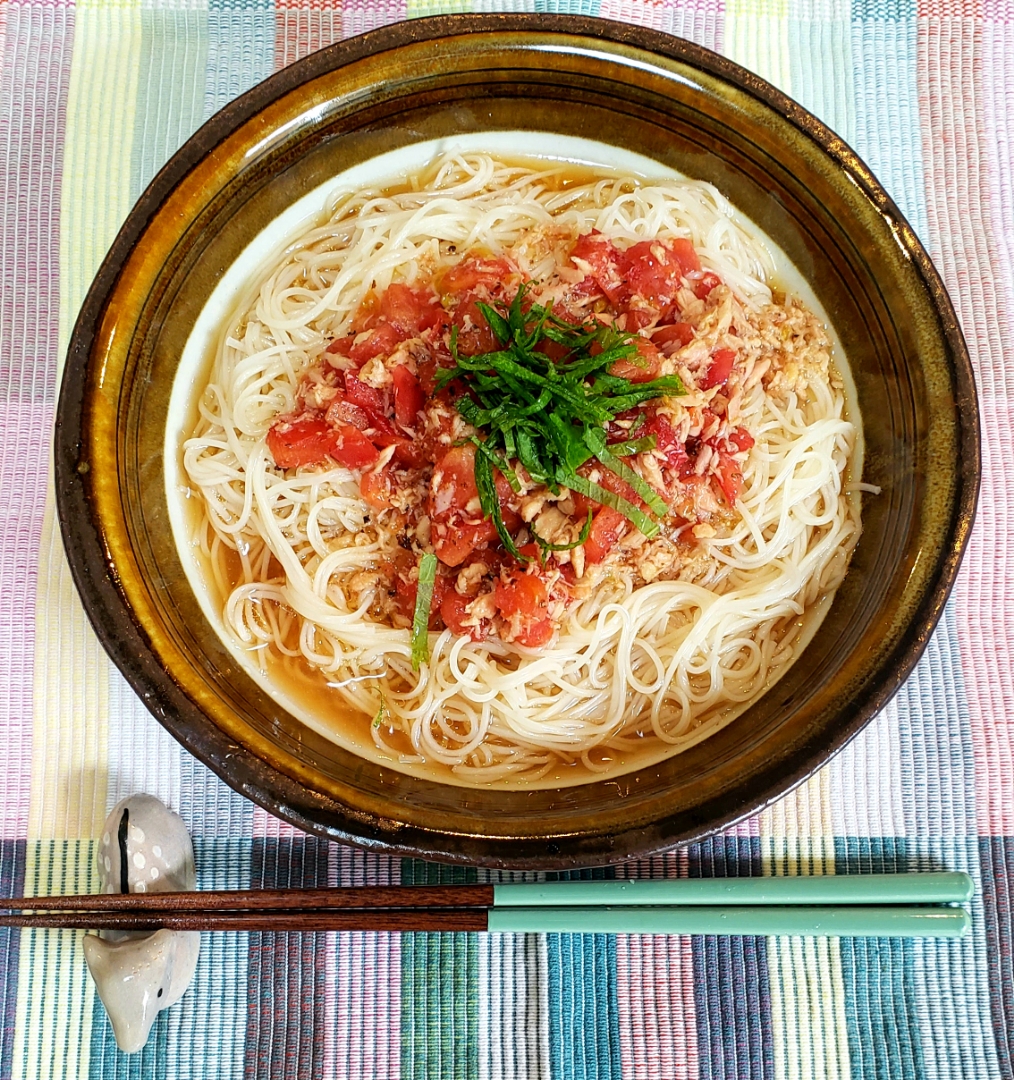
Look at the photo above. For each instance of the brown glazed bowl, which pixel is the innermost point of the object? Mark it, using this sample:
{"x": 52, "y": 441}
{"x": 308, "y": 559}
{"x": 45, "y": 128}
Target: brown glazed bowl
{"x": 687, "y": 108}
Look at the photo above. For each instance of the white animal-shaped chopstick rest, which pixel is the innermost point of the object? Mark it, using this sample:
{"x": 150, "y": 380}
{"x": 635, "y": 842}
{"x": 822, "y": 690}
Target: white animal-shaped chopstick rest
{"x": 145, "y": 848}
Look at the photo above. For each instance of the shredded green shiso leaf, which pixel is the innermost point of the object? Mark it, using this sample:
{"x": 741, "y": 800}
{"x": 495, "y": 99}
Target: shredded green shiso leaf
{"x": 550, "y": 415}
{"x": 421, "y": 615}
{"x": 545, "y": 545}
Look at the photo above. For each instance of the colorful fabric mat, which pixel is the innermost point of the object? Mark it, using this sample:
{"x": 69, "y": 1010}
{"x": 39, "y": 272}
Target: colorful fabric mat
{"x": 94, "y": 97}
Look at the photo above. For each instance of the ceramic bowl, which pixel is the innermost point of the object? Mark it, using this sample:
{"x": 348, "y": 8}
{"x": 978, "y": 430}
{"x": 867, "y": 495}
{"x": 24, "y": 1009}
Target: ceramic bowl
{"x": 629, "y": 88}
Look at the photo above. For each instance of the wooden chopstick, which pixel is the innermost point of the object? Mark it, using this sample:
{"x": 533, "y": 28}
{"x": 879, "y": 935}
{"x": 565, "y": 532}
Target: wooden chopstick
{"x": 235, "y": 900}
{"x": 302, "y": 921}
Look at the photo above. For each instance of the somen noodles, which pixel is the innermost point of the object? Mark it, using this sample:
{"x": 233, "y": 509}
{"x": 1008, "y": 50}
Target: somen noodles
{"x": 533, "y": 465}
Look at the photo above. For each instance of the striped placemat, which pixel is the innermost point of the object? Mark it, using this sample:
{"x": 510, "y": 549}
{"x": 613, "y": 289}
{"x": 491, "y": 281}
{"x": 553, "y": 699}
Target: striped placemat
{"x": 94, "y": 97}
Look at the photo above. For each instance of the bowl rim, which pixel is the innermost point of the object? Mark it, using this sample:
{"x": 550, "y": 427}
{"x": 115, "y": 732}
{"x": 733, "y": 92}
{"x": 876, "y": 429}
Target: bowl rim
{"x": 125, "y": 641}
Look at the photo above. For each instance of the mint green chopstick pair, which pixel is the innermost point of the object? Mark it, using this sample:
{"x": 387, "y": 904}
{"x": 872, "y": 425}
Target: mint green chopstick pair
{"x": 843, "y": 905}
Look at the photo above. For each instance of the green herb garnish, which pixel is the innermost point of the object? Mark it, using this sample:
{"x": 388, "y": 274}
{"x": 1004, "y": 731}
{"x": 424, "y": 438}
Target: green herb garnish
{"x": 617, "y": 502}
{"x": 545, "y": 545}
{"x": 421, "y": 616}
{"x": 596, "y": 442}
{"x": 550, "y": 415}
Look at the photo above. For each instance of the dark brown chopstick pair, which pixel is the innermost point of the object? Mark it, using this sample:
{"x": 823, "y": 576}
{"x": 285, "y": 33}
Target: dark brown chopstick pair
{"x": 376, "y": 907}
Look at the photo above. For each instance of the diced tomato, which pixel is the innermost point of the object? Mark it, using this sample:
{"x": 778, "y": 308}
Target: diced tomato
{"x": 410, "y": 311}
{"x": 341, "y": 411}
{"x": 672, "y": 337}
{"x": 602, "y": 258}
{"x": 453, "y": 611}
{"x": 453, "y": 543}
{"x": 352, "y": 448}
{"x": 582, "y": 504}
{"x": 457, "y": 526}
{"x": 667, "y": 441}
{"x": 524, "y": 594}
{"x": 652, "y": 271}
{"x": 428, "y": 374}
{"x": 703, "y": 283}
{"x": 452, "y": 487}
{"x": 523, "y": 601}
{"x": 719, "y": 369}
{"x": 584, "y": 289}
{"x": 380, "y": 341}
{"x": 529, "y": 551}
{"x": 341, "y": 346}
{"x": 382, "y": 432}
{"x": 306, "y": 441}
{"x": 608, "y": 480}
{"x": 377, "y": 488}
{"x": 368, "y": 398}
{"x": 381, "y": 323}
{"x": 641, "y": 368}
{"x": 311, "y": 441}
{"x": 506, "y": 496}
{"x": 742, "y": 438}
{"x": 469, "y": 274}
{"x": 730, "y": 477}
{"x": 408, "y": 396}
{"x": 430, "y": 367}
{"x": 617, "y": 432}
{"x": 636, "y": 318}
{"x": 607, "y": 527}
{"x": 406, "y": 451}
{"x": 535, "y": 634}
{"x": 665, "y": 434}
{"x": 407, "y": 589}
{"x": 686, "y": 254}
{"x": 553, "y": 349}
{"x": 474, "y": 334}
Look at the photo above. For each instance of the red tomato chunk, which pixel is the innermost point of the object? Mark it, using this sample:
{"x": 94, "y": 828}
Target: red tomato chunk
{"x": 352, "y": 448}
{"x": 377, "y": 488}
{"x": 704, "y": 283}
{"x": 408, "y": 396}
{"x": 641, "y": 368}
{"x": 470, "y": 274}
{"x": 368, "y": 398}
{"x": 457, "y": 526}
{"x": 719, "y": 370}
{"x": 407, "y": 589}
{"x": 411, "y": 311}
{"x": 653, "y": 271}
{"x": 453, "y": 610}
{"x": 675, "y": 336}
{"x": 300, "y": 442}
{"x": 524, "y": 600}
{"x": 730, "y": 477}
{"x": 607, "y": 527}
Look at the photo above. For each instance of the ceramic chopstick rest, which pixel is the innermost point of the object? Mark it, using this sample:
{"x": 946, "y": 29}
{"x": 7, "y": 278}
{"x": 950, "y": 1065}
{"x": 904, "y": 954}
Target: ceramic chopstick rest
{"x": 145, "y": 848}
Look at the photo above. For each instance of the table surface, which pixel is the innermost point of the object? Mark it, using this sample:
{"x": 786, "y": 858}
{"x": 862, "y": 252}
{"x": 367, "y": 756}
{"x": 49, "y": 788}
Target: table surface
{"x": 94, "y": 97}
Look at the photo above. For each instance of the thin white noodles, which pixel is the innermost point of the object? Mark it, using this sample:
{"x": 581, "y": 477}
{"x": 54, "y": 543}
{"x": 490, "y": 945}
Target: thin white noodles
{"x": 672, "y": 659}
